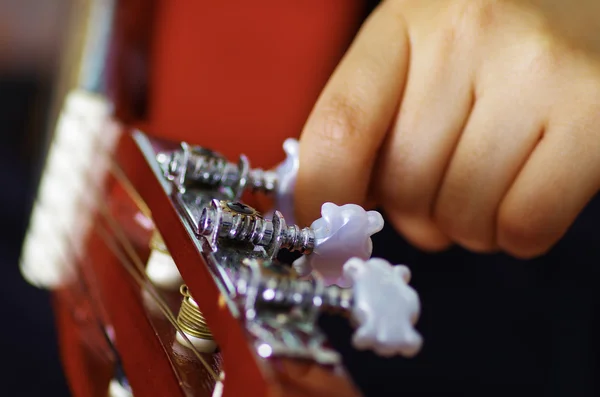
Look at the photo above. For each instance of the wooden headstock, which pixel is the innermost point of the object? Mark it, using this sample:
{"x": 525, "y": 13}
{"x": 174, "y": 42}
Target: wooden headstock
{"x": 231, "y": 315}
{"x": 249, "y": 362}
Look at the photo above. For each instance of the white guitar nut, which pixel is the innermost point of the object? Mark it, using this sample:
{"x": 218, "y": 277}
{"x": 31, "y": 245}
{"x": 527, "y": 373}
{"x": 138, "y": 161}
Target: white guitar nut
{"x": 385, "y": 307}
{"x": 341, "y": 233}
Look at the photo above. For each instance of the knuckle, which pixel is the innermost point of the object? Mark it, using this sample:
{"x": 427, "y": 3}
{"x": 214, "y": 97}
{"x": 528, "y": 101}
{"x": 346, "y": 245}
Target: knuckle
{"x": 519, "y": 235}
{"x": 447, "y": 222}
{"x": 449, "y": 39}
{"x": 542, "y": 55}
{"x": 403, "y": 185}
{"x": 420, "y": 231}
{"x": 475, "y": 17}
{"x": 342, "y": 120}
{"x": 470, "y": 232}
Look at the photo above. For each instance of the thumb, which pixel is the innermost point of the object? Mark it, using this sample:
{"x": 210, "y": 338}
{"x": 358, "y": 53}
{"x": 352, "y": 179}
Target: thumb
{"x": 342, "y": 136}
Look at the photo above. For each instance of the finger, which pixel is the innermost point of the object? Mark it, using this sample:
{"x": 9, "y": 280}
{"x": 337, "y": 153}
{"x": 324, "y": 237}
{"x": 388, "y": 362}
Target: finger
{"x": 500, "y": 134}
{"x": 434, "y": 109}
{"x": 349, "y": 121}
{"x": 556, "y": 183}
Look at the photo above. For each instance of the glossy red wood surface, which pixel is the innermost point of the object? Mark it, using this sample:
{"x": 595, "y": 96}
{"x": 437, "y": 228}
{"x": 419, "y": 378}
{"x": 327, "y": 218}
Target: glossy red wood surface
{"x": 238, "y": 76}
{"x": 85, "y": 356}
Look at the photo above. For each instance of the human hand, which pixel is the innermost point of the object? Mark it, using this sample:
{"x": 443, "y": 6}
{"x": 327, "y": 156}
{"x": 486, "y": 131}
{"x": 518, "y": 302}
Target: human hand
{"x": 474, "y": 122}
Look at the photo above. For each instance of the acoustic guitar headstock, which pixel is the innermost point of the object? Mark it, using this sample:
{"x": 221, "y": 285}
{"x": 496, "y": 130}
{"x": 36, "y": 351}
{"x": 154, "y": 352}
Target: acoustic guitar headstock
{"x": 239, "y": 299}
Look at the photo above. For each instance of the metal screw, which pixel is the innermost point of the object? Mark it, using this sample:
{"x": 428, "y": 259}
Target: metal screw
{"x": 237, "y": 221}
{"x": 195, "y": 165}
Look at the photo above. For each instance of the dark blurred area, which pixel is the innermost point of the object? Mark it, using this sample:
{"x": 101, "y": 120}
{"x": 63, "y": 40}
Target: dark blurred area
{"x": 31, "y": 34}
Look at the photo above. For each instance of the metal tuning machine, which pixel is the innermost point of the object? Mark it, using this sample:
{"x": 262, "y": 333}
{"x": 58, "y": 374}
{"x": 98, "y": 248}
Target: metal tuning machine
{"x": 194, "y": 166}
{"x": 343, "y": 232}
{"x": 281, "y": 310}
{"x": 278, "y": 303}
{"x": 235, "y": 221}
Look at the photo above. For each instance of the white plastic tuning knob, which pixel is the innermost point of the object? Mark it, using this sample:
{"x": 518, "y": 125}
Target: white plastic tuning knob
{"x": 385, "y": 307}
{"x": 341, "y": 233}
{"x": 286, "y": 179}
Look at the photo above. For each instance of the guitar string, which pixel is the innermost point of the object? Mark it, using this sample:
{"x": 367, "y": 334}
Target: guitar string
{"x": 73, "y": 299}
{"x": 140, "y": 275}
{"x": 105, "y": 235}
{"x": 143, "y": 281}
{"x": 131, "y": 191}
{"x": 143, "y": 284}
{"x": 81, "y": 284}
{"x": 137, "y": 270}
{"x": 140, "y": 280}
{"x": 96, "y": 310}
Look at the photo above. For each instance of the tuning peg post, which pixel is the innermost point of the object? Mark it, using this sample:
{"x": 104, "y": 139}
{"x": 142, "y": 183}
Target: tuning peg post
{"x": 341, "y": 233}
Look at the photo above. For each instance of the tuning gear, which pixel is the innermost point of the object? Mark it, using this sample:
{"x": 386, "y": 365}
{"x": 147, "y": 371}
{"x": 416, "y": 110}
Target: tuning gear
{"x": 381, "y": 303}
{"x": 239, "y": 222}
{"x": 198, "y": 166}
{"x": 341, "y": 233}
{"x": 195, "y": 166}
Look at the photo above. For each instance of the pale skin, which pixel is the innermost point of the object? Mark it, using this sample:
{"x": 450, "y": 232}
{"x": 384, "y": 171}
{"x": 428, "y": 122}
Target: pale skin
{"x": 470, "y": 122}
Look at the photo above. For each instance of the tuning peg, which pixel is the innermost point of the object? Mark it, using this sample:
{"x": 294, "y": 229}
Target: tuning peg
{"x": 384, "y": 306}
{"x": 381, "y": 304}
{"x": 341, "y": 233}
{"x": 197, "y": 166}
{"x": 235, "y": 221}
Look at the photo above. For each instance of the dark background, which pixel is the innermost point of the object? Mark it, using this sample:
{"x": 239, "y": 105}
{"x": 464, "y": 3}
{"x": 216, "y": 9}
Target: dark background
{"x": 492, "y": 325}
{"x": 31, "y": 34}
{"x": 27, "y": 338}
